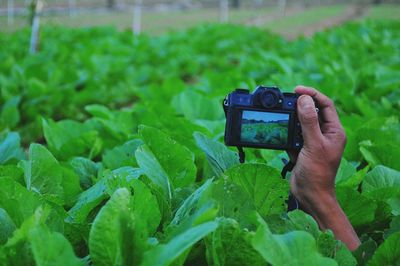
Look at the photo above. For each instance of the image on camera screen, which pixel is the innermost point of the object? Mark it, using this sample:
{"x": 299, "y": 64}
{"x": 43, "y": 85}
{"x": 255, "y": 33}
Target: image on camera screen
{"x": 264, "y": 128}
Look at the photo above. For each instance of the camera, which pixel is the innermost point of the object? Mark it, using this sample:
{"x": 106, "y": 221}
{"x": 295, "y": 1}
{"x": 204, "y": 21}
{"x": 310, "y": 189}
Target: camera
{"x": 265, "y": 119}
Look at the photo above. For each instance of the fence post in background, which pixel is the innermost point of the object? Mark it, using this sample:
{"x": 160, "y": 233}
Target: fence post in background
{"x": 258, "y": 3}
{"x": 34, "y": 43}
{"x": 110, "y": 4}
{"x": 223, "y": 10}
{"x": 10, "y": 12}
{"x": 72, "y": 8}
{"x": 236, "y": 3}
{"x": 282, "y": 7}
{"x": 121, "y": 4}
{"x": 137, "y": 17}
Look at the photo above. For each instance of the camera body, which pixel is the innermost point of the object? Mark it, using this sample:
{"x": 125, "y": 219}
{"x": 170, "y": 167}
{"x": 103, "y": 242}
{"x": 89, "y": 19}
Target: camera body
{"x": 266, "y": 119}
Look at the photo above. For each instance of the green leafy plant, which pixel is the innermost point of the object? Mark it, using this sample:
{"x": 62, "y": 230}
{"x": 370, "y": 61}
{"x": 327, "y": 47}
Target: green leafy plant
{"x": 111, "y": 147}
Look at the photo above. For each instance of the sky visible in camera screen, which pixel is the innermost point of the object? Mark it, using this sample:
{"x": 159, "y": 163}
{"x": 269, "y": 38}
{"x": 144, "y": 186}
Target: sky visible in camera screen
{"x": 265, "y": 116}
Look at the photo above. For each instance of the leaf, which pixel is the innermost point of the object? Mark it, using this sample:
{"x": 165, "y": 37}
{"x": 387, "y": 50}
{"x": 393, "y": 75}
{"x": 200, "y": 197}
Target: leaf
{"x": 293, "y": 248}
{"x": 381, "y": 221}
{"x": 9, "y": 115}
{"x": 382, "y": 183}
{"x": 218, "y": 155}
{"x": 2, "y": 255}
{"x": 17, "y": 201}
{"x": 7, "y": 226}
{"x": 301, "y": 221}
{"x": 230, "y": 245}
{"x": 304, "y": 222}
{"x": 148, "y": 213}
{"x": 133, "y": 237}
{"x": 193, "y": 202}
{"x": 365, "y": 251}
{"x": 108, "y": 234}
{"x": 43, "y": 174}
{"x": 86, "y": 170}
{"x": 346, "y": 171}
{"x": 70, "y": 185}
{"x": 355, "y": 180}
{"x": 175, "y": 159}
{"x": 127, "y": 173}
{"x": 98, "y": 111}
{"x": 200, "y": 108}
{"x": 215, "y": 127}
{"x": 154, "y": 171}
{"x": 87, "y": 201}
{"x": 165, "y": 254}
{"x": 123, "y": 155}
{"x": 263, "y": 185}
{"x": 394, "y": 227}
{"x": 395, "y": 205}
{"x": 68, "y": 138}
{"x": 18, "y": 248}
{"x": 185, "y": 133}
{"x": 20, "y": 242}
{"x": 113, "y": 127}
{"x": 326, "y": 243}
{"x": 10, "y": 148}
{"x": 233, "y": 203}
{"x": 344, "y": 257}
{"x": 195, "y": 210}
{"x": 381, "y": 154}
{"x": 274, "y": 158}
{"x": 359, "y": 209}
{"x": 57, "y": 251}
{"x": 387, "y": 253}
{"x": 12, "y": 171}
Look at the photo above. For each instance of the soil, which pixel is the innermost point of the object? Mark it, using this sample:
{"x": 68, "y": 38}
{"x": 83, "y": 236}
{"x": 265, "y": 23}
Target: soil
{"x": 351, "y": 13}
{"x": 262, "y": 20}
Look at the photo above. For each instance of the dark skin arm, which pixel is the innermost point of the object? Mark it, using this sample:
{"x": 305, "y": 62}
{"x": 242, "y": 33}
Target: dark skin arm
{"x": 313, "y": 177}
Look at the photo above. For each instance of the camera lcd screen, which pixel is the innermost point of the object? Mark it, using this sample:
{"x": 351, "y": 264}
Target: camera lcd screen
{"x": 264, "y": 128}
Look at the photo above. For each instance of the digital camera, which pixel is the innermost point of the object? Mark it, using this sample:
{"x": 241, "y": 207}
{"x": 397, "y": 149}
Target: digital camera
{"x": 265, "y": 119}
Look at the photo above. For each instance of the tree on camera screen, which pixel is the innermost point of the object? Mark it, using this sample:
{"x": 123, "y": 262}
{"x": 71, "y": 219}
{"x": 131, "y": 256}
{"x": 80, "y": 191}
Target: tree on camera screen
{"x": 264, "y": 128}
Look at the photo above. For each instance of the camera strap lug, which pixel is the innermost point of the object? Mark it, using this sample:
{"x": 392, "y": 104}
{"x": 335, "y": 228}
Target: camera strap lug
{"x": 292, "y": 202}
{"x": 242, "y": 155}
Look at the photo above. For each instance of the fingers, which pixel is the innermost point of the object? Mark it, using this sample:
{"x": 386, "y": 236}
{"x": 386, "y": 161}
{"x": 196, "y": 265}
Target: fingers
{"x": 308, "y": 117}
{"x": 325, "y": 104}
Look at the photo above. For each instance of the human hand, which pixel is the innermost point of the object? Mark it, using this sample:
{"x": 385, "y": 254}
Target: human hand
{"x": 313, "y": 176}
{"x": 324, "y": 140}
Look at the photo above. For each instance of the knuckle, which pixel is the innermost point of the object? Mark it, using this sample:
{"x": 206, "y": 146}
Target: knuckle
{"x": 329, "y": 102}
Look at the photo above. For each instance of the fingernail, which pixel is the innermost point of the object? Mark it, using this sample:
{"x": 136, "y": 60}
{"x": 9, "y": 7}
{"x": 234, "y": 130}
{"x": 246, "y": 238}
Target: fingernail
{"x": 305, "y": 101}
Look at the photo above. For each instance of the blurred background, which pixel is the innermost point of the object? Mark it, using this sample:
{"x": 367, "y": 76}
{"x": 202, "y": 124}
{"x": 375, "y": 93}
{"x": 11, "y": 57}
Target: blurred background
{"x": 287, "y": 17}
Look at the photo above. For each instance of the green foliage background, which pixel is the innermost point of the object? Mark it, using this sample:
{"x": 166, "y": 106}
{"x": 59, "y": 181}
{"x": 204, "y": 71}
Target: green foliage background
{"x": 111, "y": 147}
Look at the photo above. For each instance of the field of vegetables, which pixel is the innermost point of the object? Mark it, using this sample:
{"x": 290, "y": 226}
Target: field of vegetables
{"x": 111, "y": 147}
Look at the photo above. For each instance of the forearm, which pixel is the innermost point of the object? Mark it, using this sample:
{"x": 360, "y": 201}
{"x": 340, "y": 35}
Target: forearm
{"x": 329, "y": 215}
{"x": 313, "y": 177}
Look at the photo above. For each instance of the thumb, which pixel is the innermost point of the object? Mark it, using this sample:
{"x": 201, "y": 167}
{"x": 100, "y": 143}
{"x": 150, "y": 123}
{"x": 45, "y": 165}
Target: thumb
{"x": 308, "y": 117}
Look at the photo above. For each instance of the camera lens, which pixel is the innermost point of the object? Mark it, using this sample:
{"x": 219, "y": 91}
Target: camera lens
{"x": 269, "y": 99}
